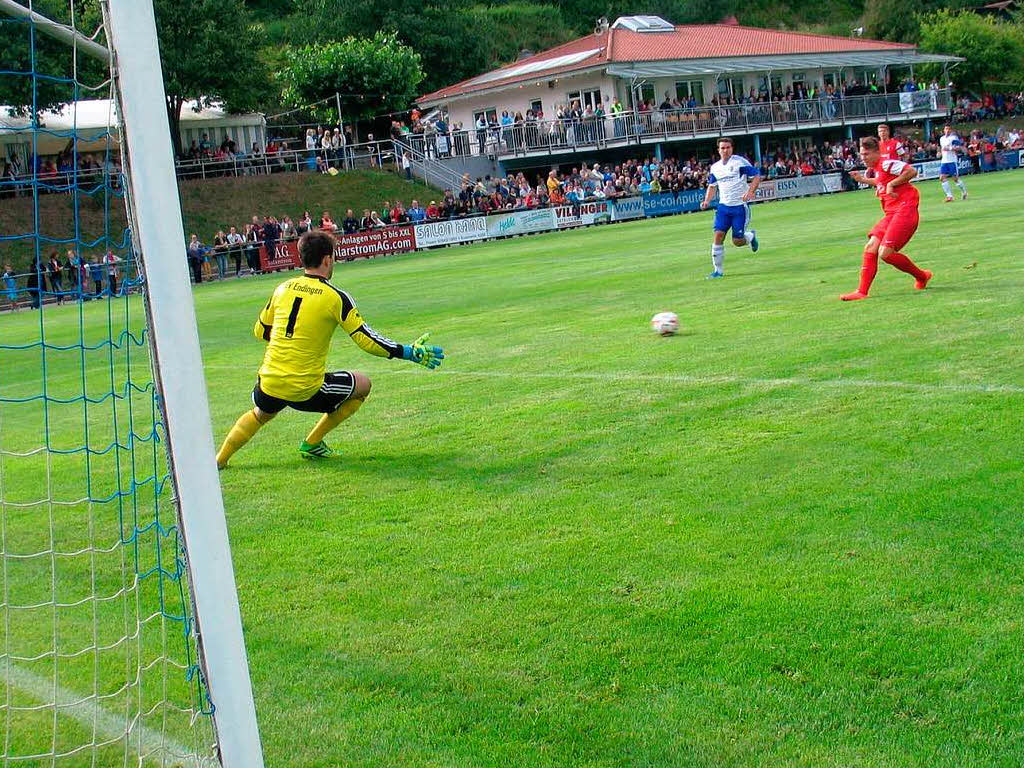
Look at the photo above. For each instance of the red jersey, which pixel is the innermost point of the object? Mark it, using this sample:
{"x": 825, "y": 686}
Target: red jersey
{"x": 891, "y": 149}
{"x": 906, "y": 194}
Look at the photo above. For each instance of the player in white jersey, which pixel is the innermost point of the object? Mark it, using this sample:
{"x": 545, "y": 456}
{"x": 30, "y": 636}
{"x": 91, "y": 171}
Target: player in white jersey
{"x": 949, "y": 147}
{"x": 735, "y": 180}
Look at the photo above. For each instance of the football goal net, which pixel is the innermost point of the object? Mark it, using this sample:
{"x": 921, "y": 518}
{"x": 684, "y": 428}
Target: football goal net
{"x": 120, "y": 632}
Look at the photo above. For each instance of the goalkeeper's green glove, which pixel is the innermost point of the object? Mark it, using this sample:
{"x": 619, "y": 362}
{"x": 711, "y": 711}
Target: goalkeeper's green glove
{"x": 419, "y": 352}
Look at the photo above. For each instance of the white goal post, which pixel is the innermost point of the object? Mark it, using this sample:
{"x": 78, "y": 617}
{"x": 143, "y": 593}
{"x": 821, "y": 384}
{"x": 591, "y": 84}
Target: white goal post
{"x": 157, "y": 242}
{"x": 158, "y": 234}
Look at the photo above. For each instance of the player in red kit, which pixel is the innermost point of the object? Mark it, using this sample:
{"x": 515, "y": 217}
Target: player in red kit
{"x": 890, "y": 148}
{"x": 899, "y": 204}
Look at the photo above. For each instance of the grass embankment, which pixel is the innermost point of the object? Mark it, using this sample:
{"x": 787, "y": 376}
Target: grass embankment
{"x": 207, "y": 205}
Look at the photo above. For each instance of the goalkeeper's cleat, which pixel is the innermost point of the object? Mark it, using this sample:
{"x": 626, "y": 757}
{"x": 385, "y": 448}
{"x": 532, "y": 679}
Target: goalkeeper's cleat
{"x": 922, "y": 284}
{"x": 319, "y": 451}
{"x": 963, "y": 195}
{"x": 949, "y": 198}
{"x": 753, "y": 241}
{"x": 854, "y": 296}
{"x": 714, "y": 275}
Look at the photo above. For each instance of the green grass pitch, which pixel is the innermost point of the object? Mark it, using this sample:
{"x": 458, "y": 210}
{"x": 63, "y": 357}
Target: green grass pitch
{"x": 788, "y": 536}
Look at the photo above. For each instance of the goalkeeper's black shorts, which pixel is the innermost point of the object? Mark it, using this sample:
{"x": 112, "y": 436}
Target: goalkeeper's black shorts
{"x": 338, "y": 387}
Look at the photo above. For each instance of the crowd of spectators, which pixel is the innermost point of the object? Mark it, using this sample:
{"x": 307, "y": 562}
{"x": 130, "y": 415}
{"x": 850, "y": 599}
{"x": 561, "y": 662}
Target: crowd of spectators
{"x": 581, "y": 123}
{"x": 990, "y": 106}
{"x": 57, "y": 173}
{"x": 73, "y": 277}
{"x": 523, "y": 191}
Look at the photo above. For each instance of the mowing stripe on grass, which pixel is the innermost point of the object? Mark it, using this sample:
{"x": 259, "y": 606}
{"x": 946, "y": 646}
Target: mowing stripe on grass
{"x": 110, "y": 729}
{"x": 1006, "y": 389}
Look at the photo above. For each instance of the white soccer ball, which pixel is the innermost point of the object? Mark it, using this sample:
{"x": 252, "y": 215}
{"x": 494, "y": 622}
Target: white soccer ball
{"x": 665, "y": 323}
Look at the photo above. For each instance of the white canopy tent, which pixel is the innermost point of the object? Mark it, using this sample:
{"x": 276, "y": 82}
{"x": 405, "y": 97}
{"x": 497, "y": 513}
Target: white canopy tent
{"x": 90, "y": 122}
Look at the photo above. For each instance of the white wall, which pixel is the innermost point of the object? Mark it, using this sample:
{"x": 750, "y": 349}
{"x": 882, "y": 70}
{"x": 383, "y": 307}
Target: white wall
{"x": 517, "y": 98}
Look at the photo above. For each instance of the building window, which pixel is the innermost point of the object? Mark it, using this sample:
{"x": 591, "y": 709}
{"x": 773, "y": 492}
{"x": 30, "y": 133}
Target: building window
{"x": 777, "y": 85}
{"x": 536, "y": 106}
{"x": 646, "y": 93}
{"x": 736, "y": 84}
{"x": 690, "y": 88}
{"x": 586, "y": 98}
{"x": 491, "y": 114}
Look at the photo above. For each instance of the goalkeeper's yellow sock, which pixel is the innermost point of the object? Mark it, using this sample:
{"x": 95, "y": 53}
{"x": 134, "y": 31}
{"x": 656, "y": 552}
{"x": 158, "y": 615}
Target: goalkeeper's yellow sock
{"x": 330, "y": 420}
{"x": 240, "y": 434}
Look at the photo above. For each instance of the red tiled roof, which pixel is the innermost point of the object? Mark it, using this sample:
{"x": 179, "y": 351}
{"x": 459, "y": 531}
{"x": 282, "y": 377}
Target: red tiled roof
{"x": 708, "y": 41}
{"x": 697, "y": 41}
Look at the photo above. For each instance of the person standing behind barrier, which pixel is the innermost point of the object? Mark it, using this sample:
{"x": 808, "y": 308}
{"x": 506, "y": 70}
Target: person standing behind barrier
{"x": 35, "y": 279}
{"x": 112, "y": 261}
{"x": 96, "y": 271}
{"x": 235, "y": 244}
{"x": 220, "y": 252}
{"x": 71, "y": 266}
{"x": 253, "y": 235}
{"x": 271, "y": 234}
{"x": 481, "y": 133}
{"x": 54, "y": 269}
{"x": 194, "y": 253}
{"x": 11, "y": 286}
{"x": 350, "y": 224}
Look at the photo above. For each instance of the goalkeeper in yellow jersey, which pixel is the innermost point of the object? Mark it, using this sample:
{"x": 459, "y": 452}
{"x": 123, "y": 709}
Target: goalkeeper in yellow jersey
{"x": 298, "y": 323}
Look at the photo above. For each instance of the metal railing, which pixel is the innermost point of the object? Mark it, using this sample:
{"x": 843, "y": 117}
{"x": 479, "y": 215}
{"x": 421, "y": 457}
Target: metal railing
{"x": 373, "y": 154}
{"x": 427, "y": 167}
{"x": 567, "y": 135}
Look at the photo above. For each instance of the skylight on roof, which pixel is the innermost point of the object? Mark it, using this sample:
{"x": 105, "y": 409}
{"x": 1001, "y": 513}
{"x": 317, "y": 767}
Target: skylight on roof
{"x": 533, "y": 66}
{"x": 643, "y": 24}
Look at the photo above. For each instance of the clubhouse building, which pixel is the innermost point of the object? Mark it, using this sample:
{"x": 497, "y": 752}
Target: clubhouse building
{"x": 644, "y": 81}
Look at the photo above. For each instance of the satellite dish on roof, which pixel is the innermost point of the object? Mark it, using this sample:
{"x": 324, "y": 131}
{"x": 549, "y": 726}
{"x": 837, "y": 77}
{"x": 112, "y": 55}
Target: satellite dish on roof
{"x": 602, "y": 26}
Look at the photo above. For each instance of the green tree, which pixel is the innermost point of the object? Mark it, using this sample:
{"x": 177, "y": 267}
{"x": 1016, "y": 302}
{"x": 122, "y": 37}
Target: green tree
{"x": 53, "y": 59}
{"x": 209, "y": 50}
{"x": 992, "y": 49}
{"x": 372, "y": 75}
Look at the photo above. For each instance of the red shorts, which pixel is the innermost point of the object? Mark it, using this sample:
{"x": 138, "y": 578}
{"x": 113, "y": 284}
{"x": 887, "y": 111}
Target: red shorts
{"x": 896, "y": 228}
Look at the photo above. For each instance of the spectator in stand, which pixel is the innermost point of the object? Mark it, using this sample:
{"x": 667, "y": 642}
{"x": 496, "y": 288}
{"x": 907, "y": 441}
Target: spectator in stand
{"x": 96, "y": 271}
{"x": 433, "y": 211}
{"x": 54, "y": 268}
{"x": 417, "y": 214}
{"x": 327, "y": 223}
{"x": 220, "y": 253}
{"x": 366, "y": 222}
{"x": 376, "y": 222}
{"x": 271, "y": 234}
{"x": 34, "y": 284}
{"x": 194, "y": 253}
{"x": 287, "y": 228}
{"x": 350, "y": 224}
{"x": 398, "y": 214}
{"x": 112, "y": 260}
{"x": 311, "y": 142}
{"x": 481, "y": 133}
{"x": 10, "y": 286}
{"x": 236, "y": 243}
{"x": 71, "y": 268}
{"x": 253, "y": 235}
{"x": 305, "y": 224}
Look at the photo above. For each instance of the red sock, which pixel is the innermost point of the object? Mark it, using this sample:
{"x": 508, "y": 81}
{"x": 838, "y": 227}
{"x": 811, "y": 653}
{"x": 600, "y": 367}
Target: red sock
{"x": 868, "y": 271}
{"x": 903, "y": 264}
